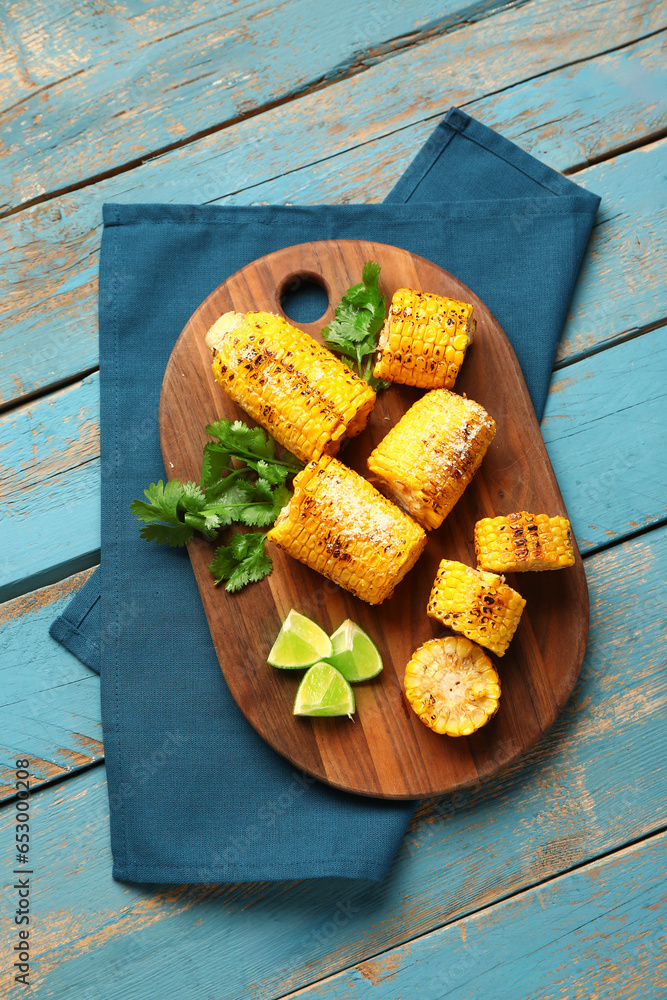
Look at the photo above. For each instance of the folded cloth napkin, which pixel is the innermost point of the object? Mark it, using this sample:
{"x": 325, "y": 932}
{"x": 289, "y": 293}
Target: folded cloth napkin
{"x": 195, "y": 795}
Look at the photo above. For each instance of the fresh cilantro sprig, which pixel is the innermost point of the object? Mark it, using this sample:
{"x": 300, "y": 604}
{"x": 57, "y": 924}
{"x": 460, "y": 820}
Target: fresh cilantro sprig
{"x": 241, "y": 562}
{"x": 243, "y": 481}
{"x": 252, "y": 445}
{"x": 358, "y": 318}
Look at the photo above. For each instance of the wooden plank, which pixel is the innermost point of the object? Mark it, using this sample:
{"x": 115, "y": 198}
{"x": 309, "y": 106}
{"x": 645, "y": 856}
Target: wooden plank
{"x": 334, "y": 146}
{"x": 85, "y": 90}
{"x": 604, "y": 427}
{"x": 593, "y": 783}
{"x": 49, "y": 488}
{"x": 49, "y": 463}
{"x": 595, "y": 932}
{"x": 49, "y": 705}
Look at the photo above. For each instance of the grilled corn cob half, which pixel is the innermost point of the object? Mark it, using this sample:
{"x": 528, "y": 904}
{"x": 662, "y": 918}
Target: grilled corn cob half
{"x": 452, "y": 686}
{"x": 476, "y": 603}
{"x": 424, "y": 339}
{"x": 296, "y": 389}
{"x": 339, "y": 525}
{"x": 523, "y": 541}
{"x": 428, "y": 458}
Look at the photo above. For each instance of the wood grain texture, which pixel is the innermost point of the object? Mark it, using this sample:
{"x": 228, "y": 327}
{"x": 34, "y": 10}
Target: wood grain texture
{"x": 595, "y": 782}
{"x": 49, "y": 701}
{"x": 49, "y": 463}
{"x": 86, "y": 89}
{"x": 387, "y": 750}
{"x": 610, "y": 435}
{"x": 597, "y": 779}
{"x": 596, "y": 932}
{"x": 49, "y": 488}
{"x": 334, "y": 146}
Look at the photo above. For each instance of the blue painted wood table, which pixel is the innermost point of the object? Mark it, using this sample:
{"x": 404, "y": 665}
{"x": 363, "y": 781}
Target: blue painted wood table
{"x": 547, "y": 881}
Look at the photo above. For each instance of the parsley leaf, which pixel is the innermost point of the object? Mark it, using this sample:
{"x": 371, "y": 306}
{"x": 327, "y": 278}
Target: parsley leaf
{"x": 241, "y": 562}
{"x": 359, "y": 317}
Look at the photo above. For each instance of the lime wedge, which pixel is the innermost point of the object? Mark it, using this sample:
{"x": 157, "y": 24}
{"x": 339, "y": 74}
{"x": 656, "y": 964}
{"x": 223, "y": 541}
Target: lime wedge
{"x": 300, "y": 642}
{"x": 354, "y": 653}
{"x": 324, "y": 691}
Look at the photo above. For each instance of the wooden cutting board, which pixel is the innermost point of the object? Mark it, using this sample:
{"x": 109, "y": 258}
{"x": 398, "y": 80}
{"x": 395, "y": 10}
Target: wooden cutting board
{"x": 386, "y": 751}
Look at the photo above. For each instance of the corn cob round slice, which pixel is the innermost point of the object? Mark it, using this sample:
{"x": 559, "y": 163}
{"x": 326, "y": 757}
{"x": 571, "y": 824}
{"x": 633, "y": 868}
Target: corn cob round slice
{"x": 339, "y": 525}
{"x": 452, "y": 686}
{"x": 300, "y": 392}
{"x": 424, "y": 339}
{"x": 428, "y": 458}
{"x": 476, "y": 603}
{"x": 523, "y": 541}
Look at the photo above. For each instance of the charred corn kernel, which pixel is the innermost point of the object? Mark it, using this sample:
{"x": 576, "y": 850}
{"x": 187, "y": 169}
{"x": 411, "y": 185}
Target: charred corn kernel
{"x": 452, "y": 686}
{"x": 523, "y": 541}
{"x": 296, "y": 389}
{"x": 339, "y": 525}
{"x": 478, "y": 604}
{"x": 428, "y": 458}
{"x": 424, "y": 339}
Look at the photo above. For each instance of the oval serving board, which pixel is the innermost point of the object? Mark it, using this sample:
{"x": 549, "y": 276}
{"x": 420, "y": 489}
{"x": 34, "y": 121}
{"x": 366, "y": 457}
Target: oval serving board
{"x": 386, "y": 751}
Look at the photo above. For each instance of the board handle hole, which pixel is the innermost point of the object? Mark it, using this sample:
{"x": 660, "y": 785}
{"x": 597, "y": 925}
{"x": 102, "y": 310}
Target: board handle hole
{"x": 304, "y": 298}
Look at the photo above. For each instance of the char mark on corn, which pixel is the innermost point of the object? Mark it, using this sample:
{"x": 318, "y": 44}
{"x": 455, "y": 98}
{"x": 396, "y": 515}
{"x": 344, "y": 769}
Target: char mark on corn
{"x": 476, "y": 603}
{"x": 338, "y": 524}
{"x": 295, "y": 388}
{"x": 424, "y": 339}
{"x": 523, "y": 541}
{"x": 428, "y": 458}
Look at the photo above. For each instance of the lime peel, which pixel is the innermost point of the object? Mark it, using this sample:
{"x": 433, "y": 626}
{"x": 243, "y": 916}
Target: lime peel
{"x": 324, "y": 692}
{"x": 299, "y": 643}
{"x": 354, "y": 653}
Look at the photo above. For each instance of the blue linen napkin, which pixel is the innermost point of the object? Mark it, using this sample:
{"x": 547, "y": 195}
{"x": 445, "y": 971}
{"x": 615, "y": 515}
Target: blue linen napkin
{"x": 195, "y": 795}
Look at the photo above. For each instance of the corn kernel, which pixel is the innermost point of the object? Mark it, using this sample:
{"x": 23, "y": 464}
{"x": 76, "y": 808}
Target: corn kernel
{"x": 300, "y": 392}
{"x": 414, "y": 320}
{"x": 476, "y": 603}
{"x": 523, "y": 541}
{"x": 428, "y": 458}
{"x": 452, "y": 686}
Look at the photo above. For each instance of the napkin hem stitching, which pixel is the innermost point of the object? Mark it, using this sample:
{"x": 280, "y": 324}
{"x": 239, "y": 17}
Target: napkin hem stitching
{"x": 120, "y": 782}
{"x": 62, "y": 630}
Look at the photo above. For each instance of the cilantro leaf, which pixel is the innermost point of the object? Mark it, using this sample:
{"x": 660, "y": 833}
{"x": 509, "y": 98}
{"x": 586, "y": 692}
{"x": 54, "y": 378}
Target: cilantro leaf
{"x": 160, "y": 515}
{"x": 358, "y": 318}
{"x": 252, "y": 494}
{"x": 238, "y": 438}
{"x": 216, "y": 461}
{"x": 174, "y": 535}
{"x": 241, "y": 562}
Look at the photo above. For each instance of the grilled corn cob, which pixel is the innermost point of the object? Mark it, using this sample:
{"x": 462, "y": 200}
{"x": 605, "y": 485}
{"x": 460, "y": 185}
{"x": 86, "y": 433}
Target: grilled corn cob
{"x": 452, "y": 686}
{"x": 296, "y": 389}
{"x": 523, "y": 541}
{"x": 339, "y": 525}
{"x": 428, "y": 458}
{"x": 476, "y": 603}
{"x": 424, "y": 339}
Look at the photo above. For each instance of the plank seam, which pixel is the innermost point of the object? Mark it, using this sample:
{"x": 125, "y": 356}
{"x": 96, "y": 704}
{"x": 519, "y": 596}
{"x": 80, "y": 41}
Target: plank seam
{"x": 627, "y": 537}
{"x": 627, "y": 147}
{"x": 56, "y": 780}
{"x": 622, "y": 338}
{"x": 47, "y": 390}
{"x": 466, "y": 915}
{"x": 358, "y": 65}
